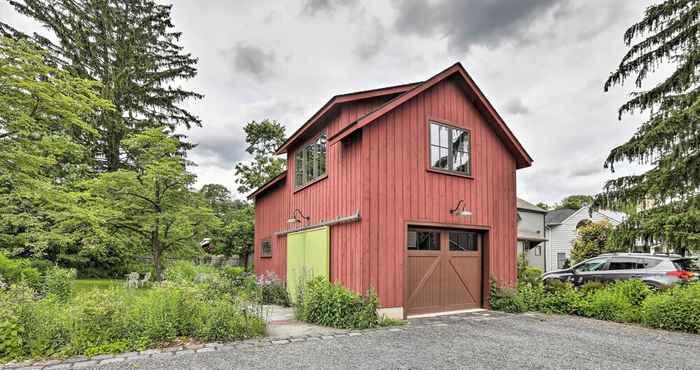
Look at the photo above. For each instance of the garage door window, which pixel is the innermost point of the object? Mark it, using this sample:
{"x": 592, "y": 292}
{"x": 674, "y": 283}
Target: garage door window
{"x": 463, "y": 241}
{"x": 420, "y": 240}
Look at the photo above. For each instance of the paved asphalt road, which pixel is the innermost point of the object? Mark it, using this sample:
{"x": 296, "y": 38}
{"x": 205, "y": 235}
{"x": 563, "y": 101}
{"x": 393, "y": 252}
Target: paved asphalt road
{"x": 493, "y": 341}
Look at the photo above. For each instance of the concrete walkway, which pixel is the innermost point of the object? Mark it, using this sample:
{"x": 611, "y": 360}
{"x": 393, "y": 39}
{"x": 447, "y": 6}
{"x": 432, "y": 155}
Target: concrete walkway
{"x": 282, "y": 324}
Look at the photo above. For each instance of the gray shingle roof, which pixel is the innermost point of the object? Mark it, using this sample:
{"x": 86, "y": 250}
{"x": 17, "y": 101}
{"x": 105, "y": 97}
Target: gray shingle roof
{"x": 523, "y": 204}
{"x": 558, "y": 215}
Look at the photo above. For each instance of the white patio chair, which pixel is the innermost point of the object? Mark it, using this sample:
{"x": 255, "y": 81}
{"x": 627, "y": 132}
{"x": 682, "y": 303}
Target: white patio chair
{"x": 132, "y": 280}
{"x": 146, "y": 278}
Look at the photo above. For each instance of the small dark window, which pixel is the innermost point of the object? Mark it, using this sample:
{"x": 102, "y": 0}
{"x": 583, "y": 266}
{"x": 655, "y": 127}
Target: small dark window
{"x": 422, "y": 240}
{"x": 450, "y": 148}
{"x": 623, "y": 264}
{"x": 266, "y": 249}
{"x": 463, "y": 241}
{"x": 561, "y": 260}
{"x": 648, "y": 263}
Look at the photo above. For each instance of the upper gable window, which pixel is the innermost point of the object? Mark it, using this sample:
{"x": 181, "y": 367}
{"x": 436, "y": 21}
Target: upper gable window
{"x": 450, "y": 149}
{"x": 310, "y": 162}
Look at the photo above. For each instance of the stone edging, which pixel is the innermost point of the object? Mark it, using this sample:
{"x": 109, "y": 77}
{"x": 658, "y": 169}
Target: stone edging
{"x": 83, "y": 362}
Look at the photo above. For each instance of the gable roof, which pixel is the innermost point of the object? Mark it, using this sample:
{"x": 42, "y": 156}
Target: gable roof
{"x": 558, "y": 216}
{"x": 270, "y": 183}
{"x": 525, "y": 205}
{"x": 523, "y": 159}
{"x": 337, "y": 100}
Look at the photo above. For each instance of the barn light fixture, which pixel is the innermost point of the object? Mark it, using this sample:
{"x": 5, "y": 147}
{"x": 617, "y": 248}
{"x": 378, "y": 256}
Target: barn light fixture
{"x": 460, "y": 212}
{"x": 293, "y": 218}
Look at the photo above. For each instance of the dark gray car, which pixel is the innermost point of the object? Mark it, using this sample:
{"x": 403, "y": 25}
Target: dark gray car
{"x": 657, "y": 270}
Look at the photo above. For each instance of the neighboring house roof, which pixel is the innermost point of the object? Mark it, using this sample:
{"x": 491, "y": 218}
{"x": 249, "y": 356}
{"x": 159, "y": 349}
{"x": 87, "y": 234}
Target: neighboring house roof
{"x": 337, "y": 100}
{"x": 525, "y": 205}
{"x": 482, "y": 104}
{"x": 270, "y": 183}
{"x": 558, "y": 216}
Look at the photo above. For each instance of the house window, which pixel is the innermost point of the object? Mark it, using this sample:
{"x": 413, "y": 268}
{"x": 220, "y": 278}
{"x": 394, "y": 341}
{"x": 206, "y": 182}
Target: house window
{"x": 266, "y": 249}
{"x": 538, "y": 250}
{"x": 561, "y": 260}
{"x": 310, "y": 162}
{"x": 450, "y": 149}
{"x": 423, "y": 240}
{"x": 463, "y": 241}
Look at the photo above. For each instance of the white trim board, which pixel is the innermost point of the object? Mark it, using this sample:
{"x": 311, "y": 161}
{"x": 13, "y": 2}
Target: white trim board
{"x": 435, "y": 314}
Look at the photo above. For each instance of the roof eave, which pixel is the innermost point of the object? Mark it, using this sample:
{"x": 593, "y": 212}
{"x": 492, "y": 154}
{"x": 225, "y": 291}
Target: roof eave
{"x": 267, "y": 185}
{"x": 341, "y": 99}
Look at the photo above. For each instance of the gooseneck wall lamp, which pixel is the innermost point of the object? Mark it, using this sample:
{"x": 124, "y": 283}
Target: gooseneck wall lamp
{"x": 460, "y": 212}
{"x": 294, "y": 219}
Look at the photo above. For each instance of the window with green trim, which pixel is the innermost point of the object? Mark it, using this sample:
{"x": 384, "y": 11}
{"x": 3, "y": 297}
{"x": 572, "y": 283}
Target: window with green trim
{"x": 450, "y": 149}
{"x": 310, "y": 162}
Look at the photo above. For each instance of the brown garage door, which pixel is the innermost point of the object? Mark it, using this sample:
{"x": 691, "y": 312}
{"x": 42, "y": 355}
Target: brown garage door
{"x": 444, "y": 270}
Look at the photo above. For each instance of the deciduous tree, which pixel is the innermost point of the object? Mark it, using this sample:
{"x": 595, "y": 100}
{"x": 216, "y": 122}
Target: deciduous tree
{"x": 152, "y": 200}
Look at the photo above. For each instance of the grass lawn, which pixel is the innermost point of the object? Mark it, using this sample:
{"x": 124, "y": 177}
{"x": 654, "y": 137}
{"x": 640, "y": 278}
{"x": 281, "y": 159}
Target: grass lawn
{"x": 83, "y": 285}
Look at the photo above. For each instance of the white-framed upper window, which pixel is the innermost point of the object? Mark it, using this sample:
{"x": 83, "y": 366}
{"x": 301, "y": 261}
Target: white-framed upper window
{"x": 310, "y": 162}
{"x": 450, "y": 149}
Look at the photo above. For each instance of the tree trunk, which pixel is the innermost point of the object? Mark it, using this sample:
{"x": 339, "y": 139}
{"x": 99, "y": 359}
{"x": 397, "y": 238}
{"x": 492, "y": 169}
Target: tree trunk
{"x": 156, "y": 249}
{"x": 244, "y": 260}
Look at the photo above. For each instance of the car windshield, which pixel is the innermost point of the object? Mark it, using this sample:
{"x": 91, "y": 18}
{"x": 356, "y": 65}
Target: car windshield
{"x": 592, "y": 265}
{"x": 686, "y": 264}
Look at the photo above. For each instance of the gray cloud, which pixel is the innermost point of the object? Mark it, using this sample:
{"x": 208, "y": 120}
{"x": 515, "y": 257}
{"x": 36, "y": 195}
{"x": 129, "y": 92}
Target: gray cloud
{"x": 516, "y": 106}
{"x": 311, "y": 7}
{"x": 465, "y": 24}
{"x": 253, "y": 60}
{"x": 373, "y": 43}
{"x": 587, "y": 169}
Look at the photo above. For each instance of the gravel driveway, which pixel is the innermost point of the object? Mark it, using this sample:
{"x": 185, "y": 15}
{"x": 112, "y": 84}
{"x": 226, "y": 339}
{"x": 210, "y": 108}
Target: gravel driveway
{"x": 485, "y": 340}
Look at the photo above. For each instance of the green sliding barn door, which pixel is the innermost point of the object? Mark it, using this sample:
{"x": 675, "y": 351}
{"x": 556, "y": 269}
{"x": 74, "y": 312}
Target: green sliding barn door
{"x": 308, "y": 256}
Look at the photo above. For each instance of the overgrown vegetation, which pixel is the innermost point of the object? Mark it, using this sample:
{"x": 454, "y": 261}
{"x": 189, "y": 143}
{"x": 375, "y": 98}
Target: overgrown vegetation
{"x": 629, "y": 301}
{"x": 199, "y": 303}
{"x": 321, "y": 302}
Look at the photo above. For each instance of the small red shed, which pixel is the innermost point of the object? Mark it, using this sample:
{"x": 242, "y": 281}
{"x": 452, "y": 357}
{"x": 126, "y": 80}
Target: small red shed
{"x": 408, "y": 190}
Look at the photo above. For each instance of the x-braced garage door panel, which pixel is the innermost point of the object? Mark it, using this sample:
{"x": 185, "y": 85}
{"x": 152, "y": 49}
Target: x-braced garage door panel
{"x": 308, "y": 256}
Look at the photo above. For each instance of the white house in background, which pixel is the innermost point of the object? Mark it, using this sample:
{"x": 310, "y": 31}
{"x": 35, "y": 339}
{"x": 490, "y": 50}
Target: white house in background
{"x": 531, "y": 239}
{"x": 560, "y": 231}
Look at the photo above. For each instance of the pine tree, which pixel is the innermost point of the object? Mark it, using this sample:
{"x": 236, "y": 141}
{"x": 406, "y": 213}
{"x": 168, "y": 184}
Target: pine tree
{"x": 664, "y": 201}
{"x": 130, "y": 47}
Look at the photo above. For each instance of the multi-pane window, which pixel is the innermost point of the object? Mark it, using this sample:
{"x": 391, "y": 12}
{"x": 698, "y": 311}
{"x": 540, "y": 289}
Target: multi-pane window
{"x": 463, "y": 241}
{"x": 423, "y": 240}
{"x": 266, "y": 248}
{"x": 450, "y": 149}
{"x": 310, "y": 162}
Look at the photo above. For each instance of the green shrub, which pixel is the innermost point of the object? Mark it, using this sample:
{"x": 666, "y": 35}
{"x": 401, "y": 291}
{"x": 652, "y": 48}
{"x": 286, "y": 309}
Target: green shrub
{"x": 560, "y": 298}
{"x": 58, "y": 282}
{"x": 673, "y": 309}
{"x": 273, "y": 290}
{"x": 609, "y": 304}
{"x": 16, "y": 271}
{"x": 590, "y": 287}
{"x": 333, "y": 305}
{"x": 506, "y": 299}
{"x": 532, "y": 296}
{"x": 634, "y": 291}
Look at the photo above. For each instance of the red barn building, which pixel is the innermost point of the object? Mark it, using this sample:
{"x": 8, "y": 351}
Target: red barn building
{"x": 412, "y": 188}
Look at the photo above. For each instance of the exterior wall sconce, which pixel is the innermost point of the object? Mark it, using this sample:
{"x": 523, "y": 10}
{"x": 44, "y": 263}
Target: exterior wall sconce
{"x": 460, "y": 212}
{"x": 293, "y": 218}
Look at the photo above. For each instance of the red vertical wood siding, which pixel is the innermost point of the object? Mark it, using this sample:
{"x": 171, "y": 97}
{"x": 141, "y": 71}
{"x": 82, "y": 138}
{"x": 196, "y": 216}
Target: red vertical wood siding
{"x": 382, "y": 172}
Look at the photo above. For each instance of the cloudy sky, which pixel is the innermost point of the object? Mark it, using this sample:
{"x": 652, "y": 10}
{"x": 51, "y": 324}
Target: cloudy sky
{"x": 542, "y": 64}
